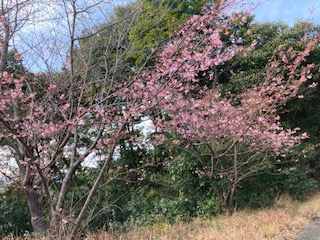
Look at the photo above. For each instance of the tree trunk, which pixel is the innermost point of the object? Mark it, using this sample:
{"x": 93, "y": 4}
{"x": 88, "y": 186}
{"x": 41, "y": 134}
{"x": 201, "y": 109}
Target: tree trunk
{"x": 93, "y": 190}
{"x": 231, "y": 206}
{"x": 38, "y": 221}
{"x": 231, "y": 203}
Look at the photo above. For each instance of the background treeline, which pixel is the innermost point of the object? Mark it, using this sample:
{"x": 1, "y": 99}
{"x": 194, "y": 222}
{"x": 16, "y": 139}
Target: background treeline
{"x": 170, "y": 187}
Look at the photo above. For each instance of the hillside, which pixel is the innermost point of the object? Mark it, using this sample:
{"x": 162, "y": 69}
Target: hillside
{"x": 283, "y": 221}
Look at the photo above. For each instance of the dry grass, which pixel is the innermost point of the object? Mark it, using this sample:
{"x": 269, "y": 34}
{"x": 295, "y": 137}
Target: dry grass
{"x": 282, "y": 222}
{"x": 269, "y": 224}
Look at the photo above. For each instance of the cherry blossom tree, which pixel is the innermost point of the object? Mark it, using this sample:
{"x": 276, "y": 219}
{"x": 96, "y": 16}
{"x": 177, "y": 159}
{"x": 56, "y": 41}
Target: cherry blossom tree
{"x": 59, "y": 122}
{"x": 54, "y": 121}
{"x": 233, "y": 137}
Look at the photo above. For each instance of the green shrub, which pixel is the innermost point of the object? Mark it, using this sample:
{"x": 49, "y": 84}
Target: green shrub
{"x": 14, "y": 217}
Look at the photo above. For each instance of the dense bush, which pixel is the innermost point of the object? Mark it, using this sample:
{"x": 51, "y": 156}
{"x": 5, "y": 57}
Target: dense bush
{"x": 262, "y": 190}
{"x": 14, "y": 217}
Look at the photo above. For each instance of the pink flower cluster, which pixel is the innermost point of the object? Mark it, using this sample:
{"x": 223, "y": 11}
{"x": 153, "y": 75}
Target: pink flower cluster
{"x": 202, "y": 115}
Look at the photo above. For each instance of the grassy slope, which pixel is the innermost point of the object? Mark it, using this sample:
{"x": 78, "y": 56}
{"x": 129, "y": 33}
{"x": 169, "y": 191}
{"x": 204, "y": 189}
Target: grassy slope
{"x": 283, "y": 221}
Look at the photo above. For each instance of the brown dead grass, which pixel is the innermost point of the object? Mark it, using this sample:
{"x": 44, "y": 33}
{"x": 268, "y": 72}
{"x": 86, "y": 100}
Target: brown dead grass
{"x": 281, "y": 222}
{"x": 268, "y": 224}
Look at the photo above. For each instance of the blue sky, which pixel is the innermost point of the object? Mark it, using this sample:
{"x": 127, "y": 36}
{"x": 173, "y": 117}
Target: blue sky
{"x": 288, "y": 11}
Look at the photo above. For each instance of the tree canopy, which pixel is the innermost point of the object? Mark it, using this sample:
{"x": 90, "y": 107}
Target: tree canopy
{"x": 224, "y": 96}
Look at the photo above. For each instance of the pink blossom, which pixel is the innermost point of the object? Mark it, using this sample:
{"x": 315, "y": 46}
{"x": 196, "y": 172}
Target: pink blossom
{"x": 313, "y": 85}
{"x": 38, "y": 74}
{"x": 18, "y": 56}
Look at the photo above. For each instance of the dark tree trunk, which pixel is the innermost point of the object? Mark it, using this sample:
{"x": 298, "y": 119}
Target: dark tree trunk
{"x": 231, "y": 203}
{"x": 38, "y": 222}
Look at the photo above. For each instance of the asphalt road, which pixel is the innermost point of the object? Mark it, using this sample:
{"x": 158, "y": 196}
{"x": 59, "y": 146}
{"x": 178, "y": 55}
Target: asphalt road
{"x": 312, "y": 232}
